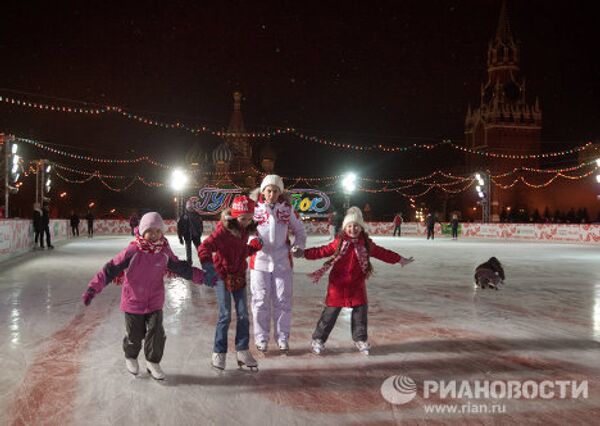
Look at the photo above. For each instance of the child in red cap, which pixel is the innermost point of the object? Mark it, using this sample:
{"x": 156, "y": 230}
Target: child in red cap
{"x": 223, "y": 255}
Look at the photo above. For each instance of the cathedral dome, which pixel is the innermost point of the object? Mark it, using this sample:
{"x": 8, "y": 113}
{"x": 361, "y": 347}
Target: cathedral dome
{"x": 222, "y": 154}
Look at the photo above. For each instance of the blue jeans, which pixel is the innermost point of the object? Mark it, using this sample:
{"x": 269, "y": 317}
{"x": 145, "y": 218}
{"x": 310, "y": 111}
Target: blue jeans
{"x": 242, "y": 332}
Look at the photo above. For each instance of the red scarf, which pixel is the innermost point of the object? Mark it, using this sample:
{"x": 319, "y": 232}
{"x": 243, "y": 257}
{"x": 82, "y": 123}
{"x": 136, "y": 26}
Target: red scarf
{"x": 150, "y": 246}
{"x": 359, "y": 249}
{"x": 147, "y": 247}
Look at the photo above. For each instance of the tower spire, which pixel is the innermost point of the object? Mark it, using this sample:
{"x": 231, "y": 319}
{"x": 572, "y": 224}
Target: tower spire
{"x": 503, "y": 52}
{"x": 236, "y": 123}
{"x": 503, "y": 32}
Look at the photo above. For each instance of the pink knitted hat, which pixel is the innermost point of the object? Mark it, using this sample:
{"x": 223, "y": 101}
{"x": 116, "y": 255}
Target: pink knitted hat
{"x": 152, "y": 220}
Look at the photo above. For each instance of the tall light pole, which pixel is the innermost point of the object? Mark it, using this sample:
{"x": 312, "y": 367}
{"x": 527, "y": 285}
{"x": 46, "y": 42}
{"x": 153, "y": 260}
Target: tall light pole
{"x": 12, "y": 170}
{"x": 483, "y": 192}
{"x": 179, "y": 181}
{"x": 43, "y": 182}
{"x": 348, "y": 186}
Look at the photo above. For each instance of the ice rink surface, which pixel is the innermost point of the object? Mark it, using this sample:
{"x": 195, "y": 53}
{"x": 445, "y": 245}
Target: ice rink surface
{"x": 62, "y": 363}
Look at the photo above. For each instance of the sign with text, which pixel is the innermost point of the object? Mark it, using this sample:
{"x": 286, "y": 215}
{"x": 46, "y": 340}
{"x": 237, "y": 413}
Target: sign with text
{"x": 308, "y": 202}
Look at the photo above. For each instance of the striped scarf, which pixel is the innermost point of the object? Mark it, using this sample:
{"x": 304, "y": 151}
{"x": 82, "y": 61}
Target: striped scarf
{"x": 147, "y": 247}
{"x": 361, "y": 254}
{"x": 150, "y": 246}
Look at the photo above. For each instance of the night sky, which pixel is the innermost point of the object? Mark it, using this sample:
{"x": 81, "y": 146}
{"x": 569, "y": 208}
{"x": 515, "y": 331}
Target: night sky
{"x": 360, "y": 72}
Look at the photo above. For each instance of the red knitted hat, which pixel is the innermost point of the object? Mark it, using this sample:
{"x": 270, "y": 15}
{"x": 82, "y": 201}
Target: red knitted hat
{"x": 242, "y": 205}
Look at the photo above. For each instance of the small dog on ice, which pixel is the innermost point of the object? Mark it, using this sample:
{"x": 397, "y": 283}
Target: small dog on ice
{"x": 489, "y": 274}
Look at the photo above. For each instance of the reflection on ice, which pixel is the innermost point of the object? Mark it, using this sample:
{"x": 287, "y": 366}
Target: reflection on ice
{"x": 177, "y": 293}
{"x": 596, "y": 312}
{"x": 424, "y": 321}
{"x": 15, "y": 319}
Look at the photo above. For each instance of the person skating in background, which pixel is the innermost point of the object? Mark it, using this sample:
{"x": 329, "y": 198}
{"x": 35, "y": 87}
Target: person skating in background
{"x": 134, "y": 221}
{"x": 430, "y": 221}
{"x": 338, "y": 219}
{"x": 90, "y": 223}
{"x": 223, "y": 255}
{"x": 454, "y": 224}
{"x": 46, "y": 225}
{"x": 331, "y": 223}
{"x": 74, "y": 221}
{"x": 189, "y": 229}
{"x": 398, "y": 224}
{"x": 141, "y": 266}
{"x": 350, "y": 265}
{"x": 271, "y": 274}
{"x": 38, "y": 227}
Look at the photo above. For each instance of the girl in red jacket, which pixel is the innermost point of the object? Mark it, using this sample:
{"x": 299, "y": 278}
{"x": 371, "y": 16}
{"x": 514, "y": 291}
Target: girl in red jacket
{"x": 350, "y": 266}
{"x": 223, "y": 255}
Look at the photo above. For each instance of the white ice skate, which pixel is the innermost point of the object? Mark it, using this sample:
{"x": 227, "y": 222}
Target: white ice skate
{"x": 218, "y": 360}
{"x": 132, "y": 366}
{"x": 317, "y": 346}
{"x": 363, "y": 347}
{"x": 155, "y": 371}
{"x": 245, "y": 359}
{"x": 262, "y": 346}
{"x": 284, "y": 346}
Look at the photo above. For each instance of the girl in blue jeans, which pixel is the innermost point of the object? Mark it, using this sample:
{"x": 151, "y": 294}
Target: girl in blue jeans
{"x": 223, "y": 255}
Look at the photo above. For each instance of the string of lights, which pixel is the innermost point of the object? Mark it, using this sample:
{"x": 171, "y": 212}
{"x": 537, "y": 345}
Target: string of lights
{"x": 547, "y": 171}
{"x": 178, "y": 124}
{"x": 102, "y": 178}
{"x": 89, "y": 157}
{"x": 575, "y": 150}
{"x": 542, "y": 185}
{"x": 324, "y": 180}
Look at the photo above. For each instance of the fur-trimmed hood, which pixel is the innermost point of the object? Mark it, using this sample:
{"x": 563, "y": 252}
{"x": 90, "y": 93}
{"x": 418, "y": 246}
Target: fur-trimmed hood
{"x": 232, "y": 225}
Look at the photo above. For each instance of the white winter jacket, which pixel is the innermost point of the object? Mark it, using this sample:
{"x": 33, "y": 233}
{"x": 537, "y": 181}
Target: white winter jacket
{"x": 274, "y": 225}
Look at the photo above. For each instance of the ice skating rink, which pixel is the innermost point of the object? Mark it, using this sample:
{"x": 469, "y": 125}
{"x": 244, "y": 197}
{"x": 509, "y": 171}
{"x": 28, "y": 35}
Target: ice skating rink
{"x": 62, "y": 363}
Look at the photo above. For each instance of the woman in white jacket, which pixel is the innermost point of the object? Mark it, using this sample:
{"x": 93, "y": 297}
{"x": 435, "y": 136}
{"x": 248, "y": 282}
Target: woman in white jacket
{"x": 271, "y": 268}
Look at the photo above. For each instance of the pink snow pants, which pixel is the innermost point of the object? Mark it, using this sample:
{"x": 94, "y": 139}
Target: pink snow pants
{"x": 271, "y": 301}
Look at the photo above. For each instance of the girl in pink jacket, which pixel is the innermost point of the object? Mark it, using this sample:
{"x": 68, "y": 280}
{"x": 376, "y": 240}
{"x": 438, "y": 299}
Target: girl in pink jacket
{"x": 141, "y": 267}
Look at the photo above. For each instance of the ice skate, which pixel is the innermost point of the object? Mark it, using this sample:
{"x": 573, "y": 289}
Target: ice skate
{"x": 155, "y": 371}
{"x": 262, "y": 346}
{"x": 284, "y": 347}
{"x": 132, "y": 366}
{"x": 317, "y": 346}
{"x": 218, "y": 360}
{"x": 363, "y": 347}
{"x": 246, "y": 361}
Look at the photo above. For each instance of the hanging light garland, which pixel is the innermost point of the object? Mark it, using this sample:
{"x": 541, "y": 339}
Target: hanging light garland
{"x": 95, "y": 173}
{"x": 548, "y": 171}
{"x": 324, "y": 181}
{"x": 90, "y": 158}
{"x": 575, "y": 150}
{"x": 125, "y": 161}
{"x": 49, "y": 107}
{"x": 140, "y": 118}
{"x": 545, "y": 184}
{"x": 436, "y": 173}
{"x": 278, "y": 131}
{"x": 107, "y": 185}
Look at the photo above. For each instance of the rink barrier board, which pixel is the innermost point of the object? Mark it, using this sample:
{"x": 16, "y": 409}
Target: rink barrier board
{"x": 16, "y": 235}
